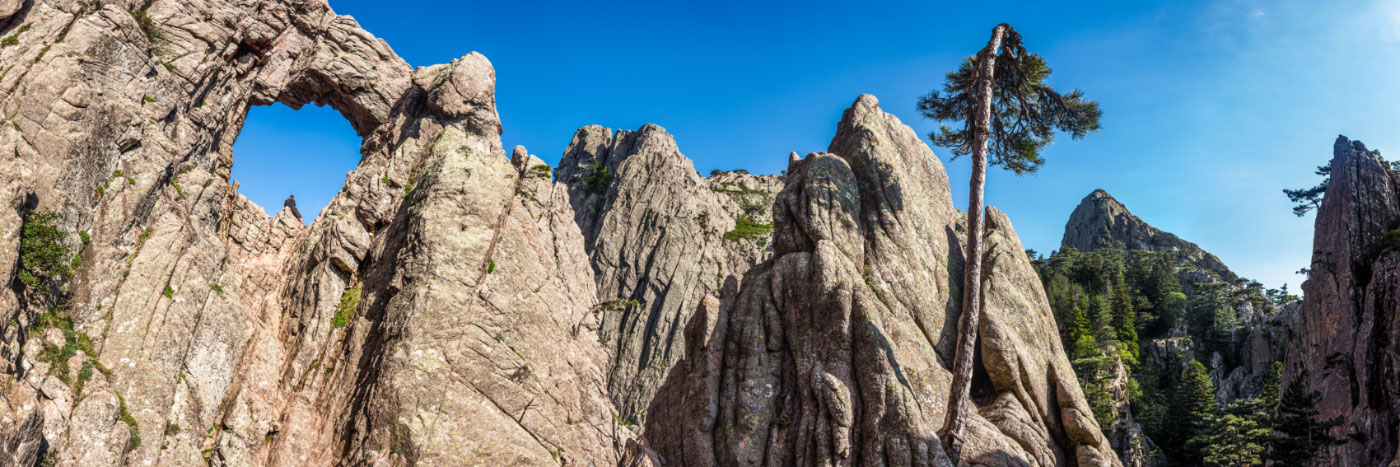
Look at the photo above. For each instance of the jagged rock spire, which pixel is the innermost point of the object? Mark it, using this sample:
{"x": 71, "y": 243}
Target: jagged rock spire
{"x": 837, "y": 350}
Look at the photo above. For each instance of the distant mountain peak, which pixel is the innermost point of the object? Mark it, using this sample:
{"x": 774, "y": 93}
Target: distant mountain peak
{"x": 1101, "y": 221}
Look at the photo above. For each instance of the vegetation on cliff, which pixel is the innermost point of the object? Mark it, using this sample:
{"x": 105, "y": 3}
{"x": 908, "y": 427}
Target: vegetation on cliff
{"x": 1009, "y": 114}
{"x": 1116, "y": 306}
{"x": 43, "y": 257}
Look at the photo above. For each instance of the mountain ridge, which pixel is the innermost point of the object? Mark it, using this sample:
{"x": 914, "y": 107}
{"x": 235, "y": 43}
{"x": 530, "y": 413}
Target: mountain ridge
{"x": 1101, "y": 221}
{"x": 456, "y": 300}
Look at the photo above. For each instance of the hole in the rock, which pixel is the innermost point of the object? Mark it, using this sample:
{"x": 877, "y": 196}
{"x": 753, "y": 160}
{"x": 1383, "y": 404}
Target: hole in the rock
{"x": 303, "y": 154}
{"x": 982, "y": 391}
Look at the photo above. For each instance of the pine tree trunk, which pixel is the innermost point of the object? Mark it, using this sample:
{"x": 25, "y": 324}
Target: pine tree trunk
{"x": 959, "y": 393}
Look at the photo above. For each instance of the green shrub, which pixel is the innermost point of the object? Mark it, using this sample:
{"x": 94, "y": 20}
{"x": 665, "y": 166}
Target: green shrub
{"x": 169, "y": 292}
{"x": 734, "y": 189}
{"x": 87, "y": 238}
{"x": 349, "y": 301}
{"x": 57, "y": 358}
{"x": 616, "y": 304}
{"x": 541, "y": 170}
{"x": 52, "y": 319}
{"x": 141, "y": 239}
{"x": 9, "y": 41}
{"x": 598, "y": 179}
{"x": 747, "y": 228}
{"x": 491, "y": 266}
{"x": 148, "y": 98}
{"x": 148, "y": 26}
{"x": 42, "y": 254}
{"x": 408, "y": 187}
{"x": 219, "y": 289}
{"x": 84, "y": 374}
{"x": 125, "y": 416}
{"x": 1388, "y": 241}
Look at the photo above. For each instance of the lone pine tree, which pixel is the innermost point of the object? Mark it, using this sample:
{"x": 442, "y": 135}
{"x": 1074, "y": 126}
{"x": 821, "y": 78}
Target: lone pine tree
{"x": 1009, "y": 114}
{"x": 1307, "y": 199}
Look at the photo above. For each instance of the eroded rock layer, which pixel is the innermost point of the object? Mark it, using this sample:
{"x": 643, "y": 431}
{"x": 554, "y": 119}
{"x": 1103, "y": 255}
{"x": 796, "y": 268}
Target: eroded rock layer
{"x": 837, "y": 350}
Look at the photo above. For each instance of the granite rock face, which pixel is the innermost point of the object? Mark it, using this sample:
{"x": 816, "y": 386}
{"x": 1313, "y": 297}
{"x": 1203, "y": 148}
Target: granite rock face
{"x": 436, "y": 310}
{"x": 8, "y": 8}
{"x": 1100, "y": 221}
{"x": 454, "y": 303}
{"x": 660, "y": 238}
{"x": 837, "y": 350}
{"x": 1349, "y": 324}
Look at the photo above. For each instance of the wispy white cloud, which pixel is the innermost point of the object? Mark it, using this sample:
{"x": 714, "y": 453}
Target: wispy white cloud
{"x": 1388, "y": 16}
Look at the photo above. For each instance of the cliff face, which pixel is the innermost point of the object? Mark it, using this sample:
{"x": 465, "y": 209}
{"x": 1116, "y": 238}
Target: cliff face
{"x": 837, "y": 350}
{"x": 452, "y": 303}
{"x": 1100, "y": 221}
{"x": 436, "y": 310}
{"x": 1350, "y": 320}
{"x": 660, "y": 238}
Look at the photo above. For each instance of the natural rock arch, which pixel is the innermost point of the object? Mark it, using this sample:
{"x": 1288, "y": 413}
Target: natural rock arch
{"x": 293, "y": 158}
{"x": 443, "y": 306}
{"x": 247, "y": 340}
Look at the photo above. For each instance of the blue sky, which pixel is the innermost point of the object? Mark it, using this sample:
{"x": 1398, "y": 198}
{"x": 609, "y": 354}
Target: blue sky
{"x": 1210, "y": 108}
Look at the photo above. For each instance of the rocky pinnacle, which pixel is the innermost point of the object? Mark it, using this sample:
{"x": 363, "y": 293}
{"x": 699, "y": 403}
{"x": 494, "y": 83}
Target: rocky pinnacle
{"x": 457, "y": 304}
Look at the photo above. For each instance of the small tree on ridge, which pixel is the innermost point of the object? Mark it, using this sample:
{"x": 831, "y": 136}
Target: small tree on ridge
{"x": 1009, "y": 114}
